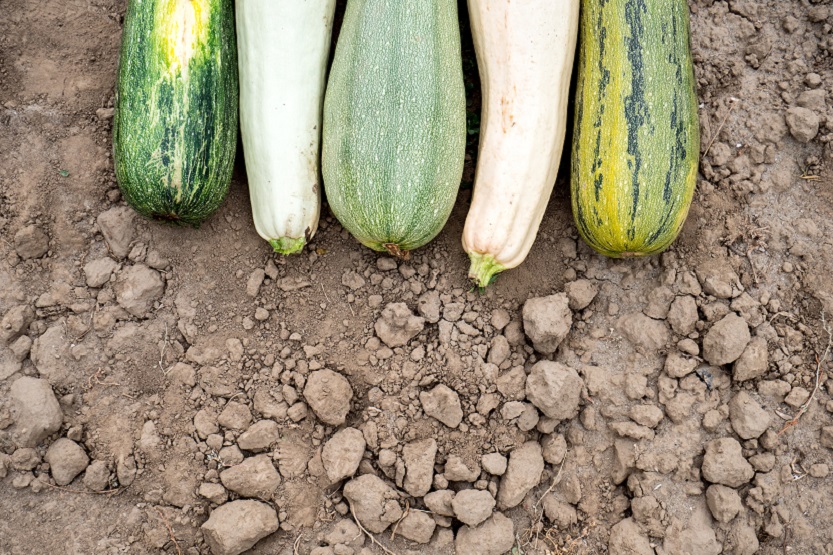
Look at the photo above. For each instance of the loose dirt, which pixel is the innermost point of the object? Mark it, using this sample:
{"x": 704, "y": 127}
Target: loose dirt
{"x": 173, "y": 390}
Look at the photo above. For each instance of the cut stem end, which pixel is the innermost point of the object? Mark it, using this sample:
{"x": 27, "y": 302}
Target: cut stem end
{"x": 394, "y": 250}
{"x": 484, "y": 268}
{"x": 288, "y": 245}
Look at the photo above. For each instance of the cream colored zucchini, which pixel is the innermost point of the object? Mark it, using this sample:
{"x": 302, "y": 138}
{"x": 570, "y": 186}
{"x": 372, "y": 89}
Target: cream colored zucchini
{"x": 525, "y": 57}
{"x": 283, "y": 46}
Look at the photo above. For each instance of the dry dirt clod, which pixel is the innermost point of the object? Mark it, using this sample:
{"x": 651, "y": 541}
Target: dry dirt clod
{"x": 215, "y": 493}
{"x": 718, "y": 278}
{"x": 677, "y": 366}
{"x": 724, "y": 503}
{"x": 526, "y": 464}
{"x": 494, "y": 463}
{"x": 352, "y": 280}
{"x": 235, "y": 527}
{"x": 235, "y": 416}
{"x": 643, "y": 332}
{"x": 254, "y": 477}
{"x": 440, "y": 502}
{"x": 826, "y": 438}
{"x": 554, "y": 448}
{"x": 473, "y": 506}
{"x": 495, "y": 536}
{"x": 205, "y": 423}
{"x": 66, "y": 460}
{"x": 547, "y": 321}
{"x": 15, "y": 323}
{"x": 50, "y": 354}
{"x": 398, "y": 325}
{"x": 724, "y": 464}
{"x": 753, "y": 362}
{"x": 659, "y": 302}
{"x": 97, "y": 476}
{"x": 137, "y": 288}
{"x": 442, "y": 403}
{"x": 374, "y": 503}
{"x": 562, "y": 514}
{"x": 255, "y": 281}
{"x": 259, "y": 436}
{"x": 499, "y": 350}
{"x": 555, "y": 389}
{"x": 342, "y": 454}
{"x": 328, "y": 395}
{"x": 748, "y": 419}
{"x": 345, "y": 532}
{"x": 512, "y": 384}
{"x": 500, "y": 318}
{"x": 417, "y": 527}
{"x": 627, "y": 538}
{"x": 34, "y": 410}
{"x": 98, "y": 272}
{"x": 803, "y": 124}
{"x": 117, "y": 227}
{"x": 9, "y": 362}
{"x": 31, "y": 242}
{"x": 429, "y": 306}
{"x": 682, "y": 314}
{"x": 580, "y": 293}
{"x": 726, "y": 340}
{"x": 456, "y": 470}
{"x": 419, "y": 466}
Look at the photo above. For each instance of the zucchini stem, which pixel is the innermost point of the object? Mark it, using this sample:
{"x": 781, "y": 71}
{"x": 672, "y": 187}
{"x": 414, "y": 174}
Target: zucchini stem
{"x": 288, "y": 245}
{"x": 484, "y": 268}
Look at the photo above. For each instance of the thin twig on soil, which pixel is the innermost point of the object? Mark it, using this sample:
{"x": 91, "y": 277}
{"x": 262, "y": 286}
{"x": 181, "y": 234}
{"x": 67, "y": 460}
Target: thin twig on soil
{"x": 555, "y": 482}
{"x": 398, "y": 522}
{"x": 732, "y": 103}
{"x": 170, "y": 530}
{"x": 88, "y": 492}
{"x": 162, "y": 351}
{"x": 324, "y": 291}
{"x": 368, "y": 534}
{"x": 296, "y": 544}
{"x": 819, "y": 361}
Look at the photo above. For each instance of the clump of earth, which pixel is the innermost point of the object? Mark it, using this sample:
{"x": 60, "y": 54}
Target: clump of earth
{"x": 187, "y": 391}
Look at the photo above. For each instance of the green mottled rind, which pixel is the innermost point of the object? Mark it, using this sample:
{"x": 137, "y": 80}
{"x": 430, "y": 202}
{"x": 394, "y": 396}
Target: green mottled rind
{"x": 636, "y": 142}
{"x": 288, "y": 245}
{"x": 175, "y": 129}
{"x": 395, "y": 122}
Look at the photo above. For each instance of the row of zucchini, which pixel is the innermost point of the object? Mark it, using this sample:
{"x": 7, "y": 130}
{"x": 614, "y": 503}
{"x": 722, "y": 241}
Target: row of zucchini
{"x": 387, "y": 128}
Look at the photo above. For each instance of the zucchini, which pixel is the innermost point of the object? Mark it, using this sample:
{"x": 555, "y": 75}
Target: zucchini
{"x": 283, "y": 48}
{"x": 636, "y": 142}
{"x": 175, "y": 122}
{"x": 525, "y": 54}
{"x": 395, "y": 122}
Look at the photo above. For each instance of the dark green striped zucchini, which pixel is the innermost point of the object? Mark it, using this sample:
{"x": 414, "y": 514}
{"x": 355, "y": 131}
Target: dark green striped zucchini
{"x": 175, "y": 128}
{"x": 636, "y": 142}
{"x": 394, "y": 131}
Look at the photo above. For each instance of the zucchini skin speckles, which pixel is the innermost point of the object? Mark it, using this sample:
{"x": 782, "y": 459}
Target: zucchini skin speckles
{"x": 175, "y": 123}
{"x": 395, "y": 122}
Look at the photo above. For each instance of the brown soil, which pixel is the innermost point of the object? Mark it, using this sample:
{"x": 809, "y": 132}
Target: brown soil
{"x": 761, "y": 225}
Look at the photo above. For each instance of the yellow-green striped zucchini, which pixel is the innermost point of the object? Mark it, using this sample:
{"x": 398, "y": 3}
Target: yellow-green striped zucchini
{"x": 636, "y": 141}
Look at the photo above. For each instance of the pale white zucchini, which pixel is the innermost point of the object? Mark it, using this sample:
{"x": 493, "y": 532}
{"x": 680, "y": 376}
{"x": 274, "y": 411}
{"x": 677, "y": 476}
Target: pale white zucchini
{"x": 525, "y": 58}
{"x": 283, "y": 47}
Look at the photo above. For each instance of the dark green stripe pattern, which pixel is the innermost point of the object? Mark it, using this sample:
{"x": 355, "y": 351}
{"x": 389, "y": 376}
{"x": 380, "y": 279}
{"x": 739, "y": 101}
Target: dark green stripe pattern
{"x": 175, "y": 127}
{"x": 636, "y": 142}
